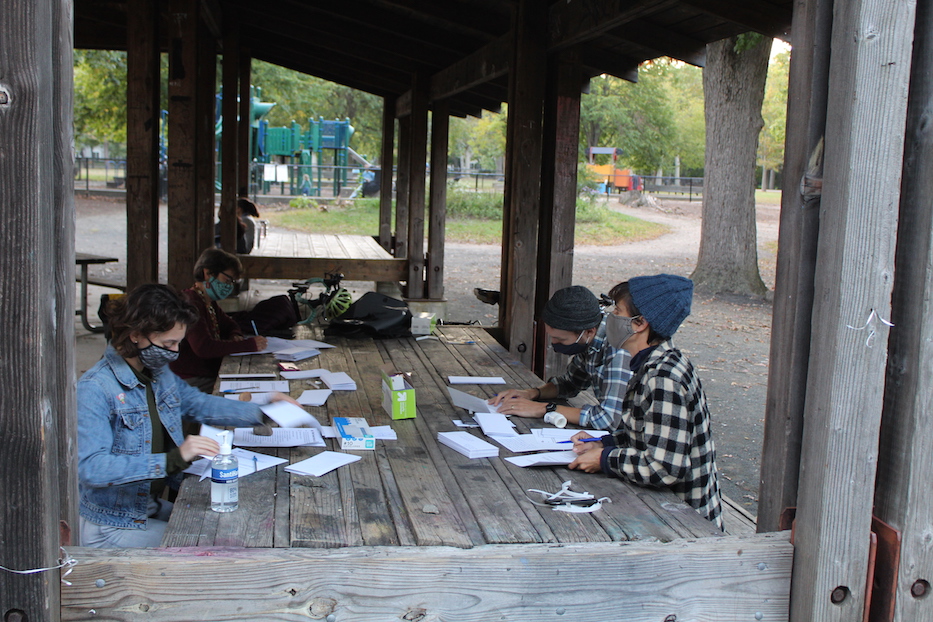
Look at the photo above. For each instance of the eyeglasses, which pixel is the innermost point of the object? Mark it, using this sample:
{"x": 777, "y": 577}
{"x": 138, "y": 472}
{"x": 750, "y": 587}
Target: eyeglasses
{"x": 230, "y": 279}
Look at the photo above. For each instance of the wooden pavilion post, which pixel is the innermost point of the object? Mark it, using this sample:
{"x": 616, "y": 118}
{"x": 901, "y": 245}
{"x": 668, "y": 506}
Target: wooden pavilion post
{"x": 437, "y": 218}
{"x": 142, "y": 142}
{"x": 402, "y": 186}
{"x": 37, "y": 403}
{"x": 230, "y": 143}
{"x": 796, "y": 264}
{"x": 205, "y": 141}
{"x": 558, "y": 194}
{"x": 182, "y": 140}
{"x": 386, "y": 160}
{"x": 243, "y": 129}
{"x": 866, "y": 111}
{"x": 527, "y": 76}
{"x": 417, "y": 159}
{"x": 902, "y": 489}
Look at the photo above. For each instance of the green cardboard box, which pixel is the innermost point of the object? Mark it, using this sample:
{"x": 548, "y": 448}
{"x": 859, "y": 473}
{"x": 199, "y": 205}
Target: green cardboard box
{"x": 398, "y": 396}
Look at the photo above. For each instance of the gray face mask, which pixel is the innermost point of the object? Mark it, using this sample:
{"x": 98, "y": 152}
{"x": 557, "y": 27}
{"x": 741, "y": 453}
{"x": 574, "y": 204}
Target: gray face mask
{"x": 155, "y": 357}
{"x": 618, "y": 329}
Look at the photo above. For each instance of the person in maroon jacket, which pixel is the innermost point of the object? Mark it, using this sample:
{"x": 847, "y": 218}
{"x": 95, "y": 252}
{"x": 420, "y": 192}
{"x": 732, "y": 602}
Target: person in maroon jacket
{"x": 215, "y": 335}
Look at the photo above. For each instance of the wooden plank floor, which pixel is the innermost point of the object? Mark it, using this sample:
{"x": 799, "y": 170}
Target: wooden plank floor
{"x": 415, "y": 491}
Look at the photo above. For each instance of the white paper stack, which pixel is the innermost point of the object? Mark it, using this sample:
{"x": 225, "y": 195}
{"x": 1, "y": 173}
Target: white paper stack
{"x": 281, "y": 437}
{"x": 468, "y": 445}
{"x": 470, "y": 402}
{"x": 296, "y": 353}
{"x": 495, "y": 424}
{"x": 324, "y": 462}
{"x": 314, "y": 397}
{"x": 546, "y": 458}
{"x": 250, "y": 386}
{"x": 339, "y": 381}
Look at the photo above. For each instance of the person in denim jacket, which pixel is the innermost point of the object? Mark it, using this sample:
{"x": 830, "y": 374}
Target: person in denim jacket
{"x": 130, "y": 411}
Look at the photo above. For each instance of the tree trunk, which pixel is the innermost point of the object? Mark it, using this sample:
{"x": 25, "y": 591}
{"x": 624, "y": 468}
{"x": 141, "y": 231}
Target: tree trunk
{"x": 734, "y": 87}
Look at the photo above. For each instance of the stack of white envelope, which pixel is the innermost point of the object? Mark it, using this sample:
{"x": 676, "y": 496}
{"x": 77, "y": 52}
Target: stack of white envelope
{"x": 468, "y": 445}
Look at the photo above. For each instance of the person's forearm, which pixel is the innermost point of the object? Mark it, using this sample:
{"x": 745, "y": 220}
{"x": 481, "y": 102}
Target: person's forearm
{"x": 546, "y": 391}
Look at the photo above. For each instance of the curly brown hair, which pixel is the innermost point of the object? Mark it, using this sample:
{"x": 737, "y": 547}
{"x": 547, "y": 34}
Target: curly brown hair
{"x": 148, "y": 309}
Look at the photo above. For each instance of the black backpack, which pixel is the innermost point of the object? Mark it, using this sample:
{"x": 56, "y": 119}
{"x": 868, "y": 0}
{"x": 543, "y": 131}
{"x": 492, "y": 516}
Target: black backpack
{"x": 373, "y": 315}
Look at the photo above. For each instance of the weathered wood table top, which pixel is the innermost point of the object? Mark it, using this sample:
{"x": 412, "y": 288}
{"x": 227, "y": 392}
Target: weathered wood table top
{"x": 415, "y": 491}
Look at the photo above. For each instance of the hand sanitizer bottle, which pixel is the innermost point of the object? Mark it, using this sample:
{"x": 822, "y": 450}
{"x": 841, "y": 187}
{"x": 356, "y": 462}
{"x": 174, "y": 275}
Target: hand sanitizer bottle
{"x": 224, "y": 473}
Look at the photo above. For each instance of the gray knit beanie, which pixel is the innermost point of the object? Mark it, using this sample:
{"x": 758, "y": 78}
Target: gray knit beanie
{"x": 663, "y": 299}
{"x": 573, "y": 308}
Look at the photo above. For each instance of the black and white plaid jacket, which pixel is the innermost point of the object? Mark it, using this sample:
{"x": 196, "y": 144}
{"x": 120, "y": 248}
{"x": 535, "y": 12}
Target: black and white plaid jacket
{"x": 664, "y": 438}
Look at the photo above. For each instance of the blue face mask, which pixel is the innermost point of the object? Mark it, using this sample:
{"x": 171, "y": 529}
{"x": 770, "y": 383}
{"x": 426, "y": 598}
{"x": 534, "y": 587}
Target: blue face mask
{"x": 217, "y": 289}
{"x": 570, "y": 349}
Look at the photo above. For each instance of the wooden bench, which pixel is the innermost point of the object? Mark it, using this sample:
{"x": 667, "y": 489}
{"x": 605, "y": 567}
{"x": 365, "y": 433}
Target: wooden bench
{"x": 84, "y": 261}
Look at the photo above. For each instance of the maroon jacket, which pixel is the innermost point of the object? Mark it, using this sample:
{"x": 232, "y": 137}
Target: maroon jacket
{"x": 206, "y": 343}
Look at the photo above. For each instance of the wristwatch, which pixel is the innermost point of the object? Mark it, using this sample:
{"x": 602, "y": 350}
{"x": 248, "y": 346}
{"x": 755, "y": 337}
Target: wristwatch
{"x": 551, "y": 407}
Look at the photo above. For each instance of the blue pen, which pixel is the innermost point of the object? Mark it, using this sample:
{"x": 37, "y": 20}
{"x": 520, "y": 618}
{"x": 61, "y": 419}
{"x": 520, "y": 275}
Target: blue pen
{"x": 585, "y": 440}
{"x": 255, "y": 464}
{"x": 255, "y": 332}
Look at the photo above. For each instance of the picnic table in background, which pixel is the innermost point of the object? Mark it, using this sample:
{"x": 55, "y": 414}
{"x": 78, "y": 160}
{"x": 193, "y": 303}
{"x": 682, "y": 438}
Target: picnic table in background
{"x": 84, "y": 261}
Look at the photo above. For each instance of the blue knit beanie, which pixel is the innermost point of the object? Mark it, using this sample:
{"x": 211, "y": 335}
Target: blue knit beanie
{"x": 573, "y": 308}
{"x": 663, "y": 300}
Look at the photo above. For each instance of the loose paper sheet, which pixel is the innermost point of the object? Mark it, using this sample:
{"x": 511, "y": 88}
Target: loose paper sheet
{"x": 324, "y": 462}
{"x": 475, "y": 379}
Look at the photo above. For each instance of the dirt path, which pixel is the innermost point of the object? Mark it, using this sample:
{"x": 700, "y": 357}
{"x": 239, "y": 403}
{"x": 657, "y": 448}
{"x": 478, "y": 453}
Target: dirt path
{"x": 728, "y": 338}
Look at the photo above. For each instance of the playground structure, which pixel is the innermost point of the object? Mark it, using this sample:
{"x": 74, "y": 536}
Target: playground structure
{"x": 609, "y": 176}
{"x": 302, "y": 160}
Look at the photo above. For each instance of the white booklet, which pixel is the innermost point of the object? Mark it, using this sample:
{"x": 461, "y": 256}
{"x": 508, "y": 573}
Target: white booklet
{"x": 324, "y": 462}
{"x": 495, "y": 424}
{"x": 546, "y": 458}
{"x": 468, "y": 445}
{"x": 470, "y": 402}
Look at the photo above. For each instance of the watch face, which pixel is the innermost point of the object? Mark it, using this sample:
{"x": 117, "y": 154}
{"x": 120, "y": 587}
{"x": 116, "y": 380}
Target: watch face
{"x": 551, "y": 407}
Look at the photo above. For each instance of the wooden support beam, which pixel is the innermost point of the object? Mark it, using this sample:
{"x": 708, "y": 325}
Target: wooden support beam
{"x": 660, "y": 41}
{"x": 523, "y": 179}
{"x": 868, "y": 80}
{"x": 244, "y": 129}
{"x": 417, "y": 159}
{"x": 213, "y": 17}
{"x": 902, "y": 488}
{"x": 143, "y": 112}
{"x": 403, "y": 104}
{"x": 489, "y": 62}
{"x": 402, "y": 186}
{"x": 386, "y": 163}
{"x": 571, "y": 23}
{"x": 796, "y": 264}
{"x": 757, "y": 15}
{"x": 230, "y": 143}
{"x": 182, "y": 140}
{"x": 729, "y": 579}
{"x": 38, "y": 293}
{"x": 437, "y": 223}
{"x": 206, "y": 141}
{"x": 259, "y": 267}
{"x": 558, "y": 195}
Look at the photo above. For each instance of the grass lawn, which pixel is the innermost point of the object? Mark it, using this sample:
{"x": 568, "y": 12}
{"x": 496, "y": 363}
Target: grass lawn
{"x": 595, "y": 226}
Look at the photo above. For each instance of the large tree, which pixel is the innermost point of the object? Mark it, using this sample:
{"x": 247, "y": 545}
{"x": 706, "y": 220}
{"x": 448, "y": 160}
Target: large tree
{"x": 733, "y": 87}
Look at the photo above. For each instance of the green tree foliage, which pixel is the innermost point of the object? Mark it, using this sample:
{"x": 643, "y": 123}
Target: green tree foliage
{"x": 638, "y": 118}
{"x": 99, "y": 98}
{"x": 774, "y": 113}
{"x": 300, "y": 97}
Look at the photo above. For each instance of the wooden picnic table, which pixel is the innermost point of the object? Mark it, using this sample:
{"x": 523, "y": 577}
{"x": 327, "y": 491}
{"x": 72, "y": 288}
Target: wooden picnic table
{"x": 415, "y": 491}
{"x": 85, "y": 260}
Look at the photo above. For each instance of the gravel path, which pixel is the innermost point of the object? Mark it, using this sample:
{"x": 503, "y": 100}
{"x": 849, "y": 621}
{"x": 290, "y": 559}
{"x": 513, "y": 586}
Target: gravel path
{"x": 727, "y": 337}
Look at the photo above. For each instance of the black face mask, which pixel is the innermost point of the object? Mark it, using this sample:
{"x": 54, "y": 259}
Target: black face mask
{"x": 570, "y": 349}
{"x": 156, "y": 357}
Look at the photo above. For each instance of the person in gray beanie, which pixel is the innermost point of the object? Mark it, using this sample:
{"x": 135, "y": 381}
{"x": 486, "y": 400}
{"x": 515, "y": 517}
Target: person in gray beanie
{"x": 574, "y": 325}
{"x": 663, "y": 438}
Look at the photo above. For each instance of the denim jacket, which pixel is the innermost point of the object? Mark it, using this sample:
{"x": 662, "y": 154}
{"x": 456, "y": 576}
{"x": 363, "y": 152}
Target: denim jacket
{"x": 115, "y": 463}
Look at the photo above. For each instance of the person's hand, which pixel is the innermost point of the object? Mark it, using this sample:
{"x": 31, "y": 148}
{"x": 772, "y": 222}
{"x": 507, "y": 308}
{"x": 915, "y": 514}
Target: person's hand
{"x": 509, "y": 394}
{"x": 523, "y": 407}
{"x": 589, "y": 460}
{"x": 283, "y": 397}
{"x": 579, "y": 446}
{"x": 196, "y": 446}
{"x": 261, "y": 342}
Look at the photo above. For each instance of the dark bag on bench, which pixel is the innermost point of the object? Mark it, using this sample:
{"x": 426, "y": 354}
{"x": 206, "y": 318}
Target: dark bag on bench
{"x": 374, "y": 315}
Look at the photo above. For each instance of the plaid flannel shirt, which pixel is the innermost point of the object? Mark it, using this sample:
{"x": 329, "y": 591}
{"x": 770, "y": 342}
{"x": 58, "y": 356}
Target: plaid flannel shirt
{"x": 664, "y": 438}
{"x": 604, "y": 369}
